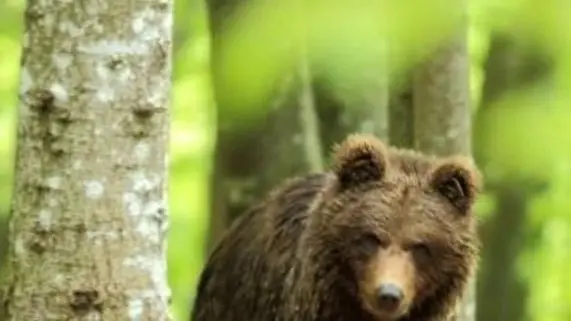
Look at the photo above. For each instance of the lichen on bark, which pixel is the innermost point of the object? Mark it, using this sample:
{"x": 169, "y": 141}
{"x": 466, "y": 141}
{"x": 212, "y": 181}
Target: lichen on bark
{"x": 89, "y": 210}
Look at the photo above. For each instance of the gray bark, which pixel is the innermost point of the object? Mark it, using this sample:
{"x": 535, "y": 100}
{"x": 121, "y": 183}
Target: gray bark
{"x": 442, "y": 101}
{"x": 89, "y": 210}
{"x": 442, "y": 116}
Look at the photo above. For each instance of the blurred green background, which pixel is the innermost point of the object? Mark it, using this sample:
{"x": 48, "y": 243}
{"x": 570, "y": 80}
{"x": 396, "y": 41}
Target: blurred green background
{"x": 522, "y": 134}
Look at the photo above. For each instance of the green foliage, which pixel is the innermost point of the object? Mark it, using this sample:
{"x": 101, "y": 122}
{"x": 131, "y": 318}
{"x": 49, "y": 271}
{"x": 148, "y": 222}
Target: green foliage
{"x": 348, "y": 45}
{"x": 10, "y": 29}
{"x": 545, "y": 266}
{"x": 526, "y": 134}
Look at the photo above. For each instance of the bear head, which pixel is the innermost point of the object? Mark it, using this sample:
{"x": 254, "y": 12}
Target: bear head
{"x": 396, "y": 228}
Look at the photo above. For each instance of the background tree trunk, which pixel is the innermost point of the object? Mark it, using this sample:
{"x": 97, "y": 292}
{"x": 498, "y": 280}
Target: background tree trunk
{"x": 250, "y": 160}
{"x": 337, "y": 118}
{"x": 364, "y": 110}
{"x": 442, "y": 102}
{"x": 3, "y": 241}
{"x": 89, "y": 210}
{"x": 442, "y": 116}
{"x": 305, "y": 118}
{"x": 510, "y": 66}
{"x": 401, "y": 113}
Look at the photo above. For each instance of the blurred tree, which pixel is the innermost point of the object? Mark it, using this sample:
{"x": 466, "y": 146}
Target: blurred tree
{"x": 442, "y": 102}
{"x": 360, "y": 110}
{"x": 10, "y": 32}
{"x": 253, "y": 156}
{"x": 401, "y": 120}
{"x": 442, "y": 114}
{"x": 511, "y": 65}
{"x": 89, "y": 214}
{"x": 3, "y": 239}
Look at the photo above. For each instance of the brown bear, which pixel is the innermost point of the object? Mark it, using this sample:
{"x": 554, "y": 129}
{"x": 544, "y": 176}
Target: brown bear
{"x": 387, "y": 234}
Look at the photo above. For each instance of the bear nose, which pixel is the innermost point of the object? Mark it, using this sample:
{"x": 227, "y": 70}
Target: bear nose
{"x": 389, "y": 296}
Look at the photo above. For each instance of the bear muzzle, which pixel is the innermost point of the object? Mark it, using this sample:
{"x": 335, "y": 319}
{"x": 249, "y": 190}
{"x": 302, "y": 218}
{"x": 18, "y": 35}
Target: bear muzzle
{"x": 389, "y": 297}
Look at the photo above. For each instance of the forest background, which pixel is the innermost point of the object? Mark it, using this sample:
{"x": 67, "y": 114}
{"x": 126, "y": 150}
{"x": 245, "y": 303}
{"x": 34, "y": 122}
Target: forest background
{"x": 520, "y": 81}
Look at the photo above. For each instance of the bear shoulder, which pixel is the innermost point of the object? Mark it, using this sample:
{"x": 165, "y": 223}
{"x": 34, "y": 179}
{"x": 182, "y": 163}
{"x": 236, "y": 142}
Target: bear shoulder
{"x": 257, "y": 253}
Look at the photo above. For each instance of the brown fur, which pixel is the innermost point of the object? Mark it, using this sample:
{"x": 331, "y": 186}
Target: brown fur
{"x": 318, "y": 247}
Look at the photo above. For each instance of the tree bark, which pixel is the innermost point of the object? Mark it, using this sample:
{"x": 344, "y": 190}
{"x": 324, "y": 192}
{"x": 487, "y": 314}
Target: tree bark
{"x": 442, "y": 101}
{"x": 442, "y": 117}
{"x": 250, "y": 161}
{"x": 89, "y": 210}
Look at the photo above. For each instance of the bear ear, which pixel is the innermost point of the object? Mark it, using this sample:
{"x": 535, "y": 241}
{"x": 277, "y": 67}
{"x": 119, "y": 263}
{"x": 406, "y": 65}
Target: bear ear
{"x": 361, "y": 158}
{"x": 457, "y": 180}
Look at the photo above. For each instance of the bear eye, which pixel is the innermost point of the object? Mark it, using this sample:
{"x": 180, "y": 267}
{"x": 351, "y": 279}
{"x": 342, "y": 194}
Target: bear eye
{"x": 421, "y": 250}
{"x": 370, "y": 241}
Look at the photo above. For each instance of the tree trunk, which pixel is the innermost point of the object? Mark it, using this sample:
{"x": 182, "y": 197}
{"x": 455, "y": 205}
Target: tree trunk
{"x": 442, "y": 102}
{"x": 401, "y": 113}
{"x": 338, "y": 118}
{"x": 509, "y": 67}
{"x": 499, "y": 272}
{"x": 365, "y": 110}
{"x": 442, "y": 117}
{"x": 89, "y": 211}
{"x": 250, "y": 161}
{"x": 3, "y": 241}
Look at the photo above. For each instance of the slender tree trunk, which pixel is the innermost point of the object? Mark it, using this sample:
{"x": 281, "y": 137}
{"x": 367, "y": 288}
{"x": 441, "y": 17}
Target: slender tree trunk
{"x": 442, "y": 102}
{"x": 365, "y": 110}
{"x": 339, "y": 118}
{"x": 3, "y": 240}
{"x": 401, "y": 113}
{"x": 442, "y": 116}
{"x": 509, "y": 67}
{"x": 249, "y": 162}
{"x": 89, "y": 209}
{"x": 499, "y": 275}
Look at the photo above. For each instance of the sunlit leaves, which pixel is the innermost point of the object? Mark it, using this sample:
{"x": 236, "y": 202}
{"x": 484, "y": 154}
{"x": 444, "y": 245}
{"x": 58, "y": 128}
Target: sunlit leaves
{"x": 543, "y": 23}
{"x": 525, "y": 134}
{"x": 346, "y": 43}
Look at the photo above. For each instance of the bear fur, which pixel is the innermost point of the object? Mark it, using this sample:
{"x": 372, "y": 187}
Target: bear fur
{"x": 319, "y": 247}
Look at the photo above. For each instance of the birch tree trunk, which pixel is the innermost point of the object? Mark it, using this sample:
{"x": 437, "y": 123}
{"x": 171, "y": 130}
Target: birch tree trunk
{"x": 89, "y": 210}
{"x": 442, "y": 114}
